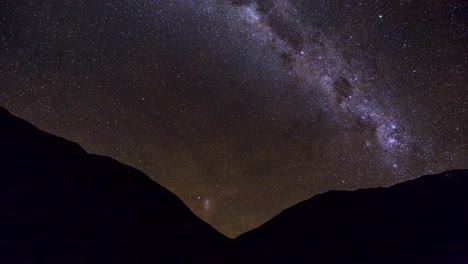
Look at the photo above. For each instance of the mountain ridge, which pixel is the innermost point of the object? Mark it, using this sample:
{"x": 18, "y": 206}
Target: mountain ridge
{"x": 423, "y": 219}
{"x": 443, "y": 174}
{"x": 60, "y": 204}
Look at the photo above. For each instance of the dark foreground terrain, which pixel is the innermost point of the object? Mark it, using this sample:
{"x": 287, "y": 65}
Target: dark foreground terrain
{"x": 420, "y": 221}
{"x": 59, "y": 204}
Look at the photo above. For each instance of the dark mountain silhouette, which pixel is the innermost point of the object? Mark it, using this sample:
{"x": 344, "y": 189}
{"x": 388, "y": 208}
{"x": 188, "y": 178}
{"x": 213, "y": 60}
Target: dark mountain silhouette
{"x": 59, "y": 204}
{"x": 420, "y": 221}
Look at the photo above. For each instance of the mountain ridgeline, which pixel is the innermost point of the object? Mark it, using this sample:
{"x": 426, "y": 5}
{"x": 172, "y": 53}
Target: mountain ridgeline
{"x": 420, "y": 221}
{"x": 60, "y": 204}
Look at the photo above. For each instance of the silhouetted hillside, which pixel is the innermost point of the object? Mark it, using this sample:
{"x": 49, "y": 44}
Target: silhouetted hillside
{"x": 60, "y": 204}
{"x": 419, "y": 221}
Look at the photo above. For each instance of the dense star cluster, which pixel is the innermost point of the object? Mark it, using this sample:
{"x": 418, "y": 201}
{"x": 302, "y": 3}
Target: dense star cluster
{"x": 245, "y": 107}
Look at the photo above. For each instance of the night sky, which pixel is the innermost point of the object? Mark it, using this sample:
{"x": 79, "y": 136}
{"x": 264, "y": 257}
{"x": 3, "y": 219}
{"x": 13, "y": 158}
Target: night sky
{"x": 244, "y": 108}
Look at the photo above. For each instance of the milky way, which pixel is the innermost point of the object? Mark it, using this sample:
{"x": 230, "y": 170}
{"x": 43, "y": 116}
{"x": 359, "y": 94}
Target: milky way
{"x": 313, "y": 60}
{"x": 244, "y": 108}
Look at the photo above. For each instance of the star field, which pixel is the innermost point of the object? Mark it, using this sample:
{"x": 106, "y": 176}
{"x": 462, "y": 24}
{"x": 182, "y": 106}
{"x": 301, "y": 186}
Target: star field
{"x": 243, "y": 108}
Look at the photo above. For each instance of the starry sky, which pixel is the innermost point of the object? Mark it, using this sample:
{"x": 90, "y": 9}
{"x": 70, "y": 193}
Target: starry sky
{"x": 243, "y": 108}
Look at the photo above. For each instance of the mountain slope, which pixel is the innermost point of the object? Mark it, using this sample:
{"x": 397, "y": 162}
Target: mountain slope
{"x": 420, "y": 221}
{"x": 60, "y": 204}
